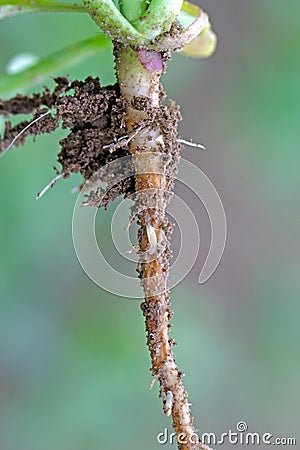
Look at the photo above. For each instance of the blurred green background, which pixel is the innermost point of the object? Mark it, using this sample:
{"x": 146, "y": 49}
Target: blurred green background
{"x": 74, "y": 367}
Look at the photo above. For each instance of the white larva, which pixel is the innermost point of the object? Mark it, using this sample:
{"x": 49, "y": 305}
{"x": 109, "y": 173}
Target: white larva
{"x": 168, "y": 404}
{"x": 152, "y": 238}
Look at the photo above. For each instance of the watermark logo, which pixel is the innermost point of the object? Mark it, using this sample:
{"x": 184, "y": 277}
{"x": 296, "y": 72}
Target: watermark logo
{"x": 108, "y": 275}
{"x": 240, "y": 436}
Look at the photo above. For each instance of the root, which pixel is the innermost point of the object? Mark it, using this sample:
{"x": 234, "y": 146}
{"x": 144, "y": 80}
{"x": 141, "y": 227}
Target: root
{"x": 124, "y": 141}
{"x": 25, "y": 129}
{"x": 191, "y": 143}
{"x": 15, "y": 136}
{"x": 50, "y": 185}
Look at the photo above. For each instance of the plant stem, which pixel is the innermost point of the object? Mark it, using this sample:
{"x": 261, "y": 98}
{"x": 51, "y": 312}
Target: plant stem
{"x": 139, "y": 73}
{"x": 107, "y": 16}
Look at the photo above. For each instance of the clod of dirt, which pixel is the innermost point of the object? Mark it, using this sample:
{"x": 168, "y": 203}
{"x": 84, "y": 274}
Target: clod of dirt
{"x": 95, "y": 116}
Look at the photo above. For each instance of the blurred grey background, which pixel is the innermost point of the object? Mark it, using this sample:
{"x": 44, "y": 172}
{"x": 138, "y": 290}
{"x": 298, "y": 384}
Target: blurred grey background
{"x": 74, "y": 367}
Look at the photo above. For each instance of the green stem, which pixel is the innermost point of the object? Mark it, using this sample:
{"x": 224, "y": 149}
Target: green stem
{"x": 58, "y": 61}
{"x": 107, "y": 16}
{"x": 159, "y": 17}
{"x": 133, "y": 10}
